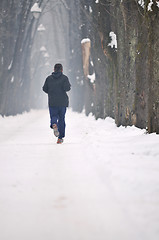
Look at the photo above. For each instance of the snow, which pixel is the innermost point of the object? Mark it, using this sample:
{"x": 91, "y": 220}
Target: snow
{"x": 113, "y": 42}
{"x": 90, "y": 9}
{"x": 85, "y": 40}
{"x": 35, "y": 8}
{"x": 101, "y": 183}
{"x": 141, "y": 3}
{"x": 10, "y": 65}
{"x": 12, "y": 79}
{"x": 46, "y": 55}
{"x": 92, "y": 64}
{"x": 47, "y": 64}
{"x": 43, "y": 49}
{"x": 92, "y": 77}
{"x": 41, "y": 28}
{"x": 149, "y": 7}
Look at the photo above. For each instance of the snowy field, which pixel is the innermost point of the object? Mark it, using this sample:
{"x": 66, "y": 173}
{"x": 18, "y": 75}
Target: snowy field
{"x": 101, "y": 184}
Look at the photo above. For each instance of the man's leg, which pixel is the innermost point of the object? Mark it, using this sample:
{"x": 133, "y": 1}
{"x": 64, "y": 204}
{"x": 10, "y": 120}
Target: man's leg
{"x": 54, "y": 120}
{"x": 61, "y": 122}
{"x": 53, "y": 116}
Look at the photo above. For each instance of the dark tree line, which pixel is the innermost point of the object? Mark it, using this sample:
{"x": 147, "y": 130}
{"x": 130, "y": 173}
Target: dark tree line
{"x": 17, "y": 34}
{"x": 127, "y": 77}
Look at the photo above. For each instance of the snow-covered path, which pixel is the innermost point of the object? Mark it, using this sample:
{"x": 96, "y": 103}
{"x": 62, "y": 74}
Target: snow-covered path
{"x": 102, "y": 183}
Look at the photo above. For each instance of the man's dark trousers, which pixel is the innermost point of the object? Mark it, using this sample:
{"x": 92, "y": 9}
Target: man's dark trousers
{"x": 57, "y": 116}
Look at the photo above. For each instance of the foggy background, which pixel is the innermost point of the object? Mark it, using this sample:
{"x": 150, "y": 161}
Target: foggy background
{"x": 54, "y": 43}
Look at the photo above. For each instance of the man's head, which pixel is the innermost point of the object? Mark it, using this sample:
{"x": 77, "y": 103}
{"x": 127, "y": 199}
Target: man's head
{"x": 58, "y": 67}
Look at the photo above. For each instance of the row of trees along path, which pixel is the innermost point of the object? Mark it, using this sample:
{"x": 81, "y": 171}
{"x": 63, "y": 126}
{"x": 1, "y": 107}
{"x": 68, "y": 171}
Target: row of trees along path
{"x": 126, "y": 82}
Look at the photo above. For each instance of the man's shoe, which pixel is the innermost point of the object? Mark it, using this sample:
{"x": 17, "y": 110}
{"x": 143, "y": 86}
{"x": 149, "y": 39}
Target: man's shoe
{"x": 59, "y": 141}
{"x": 55, "y": 129}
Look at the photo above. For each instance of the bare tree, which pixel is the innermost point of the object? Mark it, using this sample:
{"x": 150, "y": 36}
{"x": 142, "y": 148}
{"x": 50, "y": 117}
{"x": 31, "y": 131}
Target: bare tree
{"x": 126, "y": 77}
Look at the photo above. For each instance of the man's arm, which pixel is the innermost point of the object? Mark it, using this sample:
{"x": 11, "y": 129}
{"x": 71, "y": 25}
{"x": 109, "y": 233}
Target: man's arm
{"x": 45, "y": 87}
{"x": 67, "y": 85}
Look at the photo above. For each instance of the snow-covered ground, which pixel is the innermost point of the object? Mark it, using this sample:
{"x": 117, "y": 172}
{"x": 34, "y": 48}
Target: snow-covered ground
{"x": 101, "y": 184}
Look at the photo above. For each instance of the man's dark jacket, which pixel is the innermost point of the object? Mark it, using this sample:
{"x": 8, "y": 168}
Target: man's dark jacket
{"x": 56, "y": 86}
